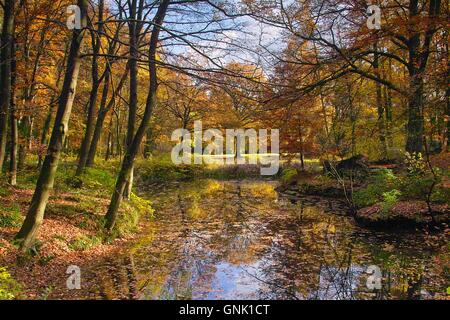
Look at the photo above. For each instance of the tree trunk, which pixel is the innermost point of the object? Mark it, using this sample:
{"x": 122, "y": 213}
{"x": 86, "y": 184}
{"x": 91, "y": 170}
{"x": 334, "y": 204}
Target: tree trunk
{"x": 447, "y": 98}
{"x": 415, "y": 117}
{"x": 14, "y": 129}
{"x": 109, "y": 142}
{"x": 133, "y": 98}
{"x": 7, "y": 42}
{"x": 53, "y": 106}
{"x": 388, "y": 108}
{"x": 380, "y": 107}
{"x": 46, "y": 178}
{"x": 26, "y": 131}
{"x": 85, "y": 145}
{"x": 132, "y": 150}
{"x": 418, "y": 58}
{"x": 103, "y": 111}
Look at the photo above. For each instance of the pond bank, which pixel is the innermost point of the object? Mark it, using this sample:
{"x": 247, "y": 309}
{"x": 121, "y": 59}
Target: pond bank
{"x": 70, "y": 235}
{"x": 382, "y": 200}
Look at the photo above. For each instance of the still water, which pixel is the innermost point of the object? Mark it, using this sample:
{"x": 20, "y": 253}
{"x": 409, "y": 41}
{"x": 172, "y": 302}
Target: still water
{"x": 213, "y": 239}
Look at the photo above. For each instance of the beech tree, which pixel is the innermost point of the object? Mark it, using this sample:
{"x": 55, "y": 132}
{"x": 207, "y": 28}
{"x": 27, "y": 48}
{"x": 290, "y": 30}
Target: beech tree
{"x": 6, "y": 52}
{"x": 134, "y": 143}
{"x": 44, "y": 185}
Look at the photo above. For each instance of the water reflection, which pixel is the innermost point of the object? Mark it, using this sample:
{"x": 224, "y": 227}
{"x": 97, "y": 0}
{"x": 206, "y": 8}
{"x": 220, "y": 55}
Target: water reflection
{"x": 241, "y": 240}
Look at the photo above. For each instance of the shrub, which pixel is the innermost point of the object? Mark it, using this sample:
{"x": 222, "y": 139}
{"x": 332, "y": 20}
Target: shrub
{"x": 98, "y": 178}
{"x": 381, "y": 182}
{"x": 390, "y": 198}
{"x": 416, "y": 186}
{"x": 129, "y": 217}
{"x": 141, "y": 205}
{"x": 288, "y": 174}
{"x": 9, "y": 287}
{"x": 415, "y": 163}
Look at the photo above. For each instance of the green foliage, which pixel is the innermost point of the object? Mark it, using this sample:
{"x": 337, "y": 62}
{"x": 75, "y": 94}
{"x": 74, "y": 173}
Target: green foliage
{"x": 95, "y": 178}
{"x": 386, "y": 188}
{"x": 9, "y": 287}
{"x": 390, "y": 198}
{"x": 84, "y": 242}
{"x": 163, "y": 171}
{"x": 415, "y": 163}
{"x": 10, "y": 217}
{"x": 4, "y": 191}
{"x": 381, "y": 182}
{"x": 416, "y": 186}
{"x": 143, "y": 206}
{"x": 43, "y": 260}
{"x": 441, "y": 195}
{"x": 288, "y": 174}
{"x": 27, "y": 179}
{"x": 47, "y": 292}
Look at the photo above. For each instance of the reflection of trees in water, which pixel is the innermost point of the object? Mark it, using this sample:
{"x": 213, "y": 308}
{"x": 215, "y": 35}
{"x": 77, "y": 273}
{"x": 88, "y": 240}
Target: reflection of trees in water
{"x": 204, "y": 241}
{"x": 311, "y": 260}
{"x": 287, "y": 251}
{"x": 316, "y": 260}
{"x": 116, "y": 280}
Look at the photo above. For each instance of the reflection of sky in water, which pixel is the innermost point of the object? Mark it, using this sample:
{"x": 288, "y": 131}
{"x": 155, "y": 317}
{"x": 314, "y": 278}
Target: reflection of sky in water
{"x": 231, "y": 279}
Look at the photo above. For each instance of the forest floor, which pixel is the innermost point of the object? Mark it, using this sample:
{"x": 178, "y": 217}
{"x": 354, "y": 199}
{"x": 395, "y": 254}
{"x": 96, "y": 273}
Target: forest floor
{"x": 69, "y": 235}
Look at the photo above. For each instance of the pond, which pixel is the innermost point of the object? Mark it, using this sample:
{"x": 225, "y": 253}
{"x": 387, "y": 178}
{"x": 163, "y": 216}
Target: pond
{"x": 242, "y": 240}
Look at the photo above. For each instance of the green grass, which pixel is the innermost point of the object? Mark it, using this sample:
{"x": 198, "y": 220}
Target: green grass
{"x": 84, "y": 242}
{"x": 10, "y": 216}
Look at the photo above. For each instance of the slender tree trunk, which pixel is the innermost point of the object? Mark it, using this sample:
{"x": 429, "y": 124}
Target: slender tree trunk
{"x": 133, "y": 98}
{"x": 415, "y": 98}
{"x": 54, "y": 104}
{"x": 90, "y": 121}
{"x": 98, "y": 124}
{"x": 148, "y": 144}
{"x": 13, "y": 150}
{"x": 388, "y": 108}
{"x": 103, "y": 111}
{"x": 109, "y": 144}
{"x": 132, "y": 150}
{"x": 46, "y": 178}
{"x": 7, "y": 42}
{"x": 380, "y": 107}
{"x": 26, "y": 130}
{"x": 415, "y": 116}
{"x": 14, "y": 129}
{"x": 118, "y": 134}
{"x": 447, "y": 98}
